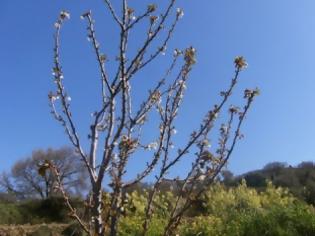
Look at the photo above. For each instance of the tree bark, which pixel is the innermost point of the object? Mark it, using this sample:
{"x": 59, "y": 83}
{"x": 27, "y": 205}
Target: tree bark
{"x": 97, "y": 211}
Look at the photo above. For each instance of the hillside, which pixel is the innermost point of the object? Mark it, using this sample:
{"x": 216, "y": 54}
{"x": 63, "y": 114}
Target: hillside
{"x": 300, "y": 179}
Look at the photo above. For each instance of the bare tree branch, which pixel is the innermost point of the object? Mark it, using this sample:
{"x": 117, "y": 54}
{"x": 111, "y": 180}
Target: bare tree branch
{"x": 117, "y": 129}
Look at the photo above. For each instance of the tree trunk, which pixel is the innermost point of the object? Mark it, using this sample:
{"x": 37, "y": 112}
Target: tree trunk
{"x": 113, "y": 227}
{"x": 47, "y": 187}
{"x": 97, "y": 211}
{"x": 115, "y": 213}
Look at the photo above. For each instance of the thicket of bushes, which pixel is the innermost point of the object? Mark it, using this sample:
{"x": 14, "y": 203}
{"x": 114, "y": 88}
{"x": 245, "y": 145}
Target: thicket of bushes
{"x": 229, "y": 211}
{"x": 237, "y": 211}
{"x": 35, "y": 211}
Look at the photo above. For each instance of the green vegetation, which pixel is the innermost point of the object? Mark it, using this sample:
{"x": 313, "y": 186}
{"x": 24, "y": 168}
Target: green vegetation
{"x": 35, "y": 211}
{"x": 230, "y": 211}
{"x": 221, "y": 211}
{"x": 244, "y": 211}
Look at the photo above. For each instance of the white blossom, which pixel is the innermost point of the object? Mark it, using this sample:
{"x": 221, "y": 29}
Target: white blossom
{"x": 224, "y": 128}
{"x": 180, "y": 13}
{"x": 54, "y": 98}
{"x": 57, "y": 25}
{"x": 64, "y": 15}
{"x": 206, "y": 143}
{"x": 163, "y": 50}
{"x": 177, "y": 52}
{"x": 115, "y": 157}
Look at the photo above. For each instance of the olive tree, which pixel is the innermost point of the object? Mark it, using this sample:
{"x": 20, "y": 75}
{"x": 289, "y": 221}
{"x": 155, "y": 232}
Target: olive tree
{"x": 116, "y": 133}
{"x": 26, "y": 181}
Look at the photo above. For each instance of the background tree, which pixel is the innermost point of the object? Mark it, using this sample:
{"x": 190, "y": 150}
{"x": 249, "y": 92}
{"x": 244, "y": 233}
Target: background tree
{"x": 227, "y": 177}
{"x": 276, "y": 166}
{"x": 25, "y": 181}
{"x": 116, "y": 133}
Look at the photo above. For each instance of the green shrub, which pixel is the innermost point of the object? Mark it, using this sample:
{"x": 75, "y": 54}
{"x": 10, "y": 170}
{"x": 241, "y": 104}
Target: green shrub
{"x": 46, "y": 211}
{"x": 36, "y": 211}
{"x": 201, "y": 226}
{"x": 10, "y": 214}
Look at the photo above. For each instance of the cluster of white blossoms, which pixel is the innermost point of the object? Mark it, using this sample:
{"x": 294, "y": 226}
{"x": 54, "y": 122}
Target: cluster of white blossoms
{"x": 234, "y": 109}
{"x": 130, "y": 13}
{"x": 240, "y": 63}
{"x": 152, "y": 8}
{"x": 250, "y": 93}
{"x": 86, "y": 14}
{"x": 224, "y": 129}
{"x": 205, "y": 143}
{"x": 64, "y": 15}
{"x": 53, "y": 97}
{"x": 152, "y": 146}
{"x": 182, "y": 83}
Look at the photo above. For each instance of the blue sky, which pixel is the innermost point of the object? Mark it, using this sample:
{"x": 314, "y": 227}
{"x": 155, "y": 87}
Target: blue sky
{"x": 276, "y": 37}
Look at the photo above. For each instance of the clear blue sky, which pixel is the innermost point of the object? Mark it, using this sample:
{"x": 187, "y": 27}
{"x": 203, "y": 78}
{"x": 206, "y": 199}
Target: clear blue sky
{"x": 276, "y": 37}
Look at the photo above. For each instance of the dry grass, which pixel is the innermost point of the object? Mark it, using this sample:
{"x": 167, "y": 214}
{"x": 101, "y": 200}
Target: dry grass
{"x": 28, "y": 230}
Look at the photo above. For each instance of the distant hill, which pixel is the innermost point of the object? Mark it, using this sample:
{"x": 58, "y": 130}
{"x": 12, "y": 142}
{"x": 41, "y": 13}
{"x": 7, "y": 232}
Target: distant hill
{"x": 300, "y": 179}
